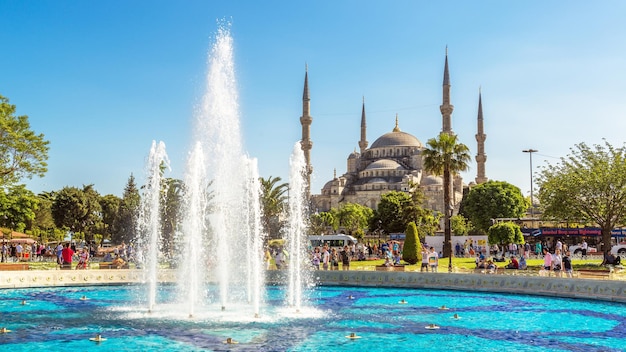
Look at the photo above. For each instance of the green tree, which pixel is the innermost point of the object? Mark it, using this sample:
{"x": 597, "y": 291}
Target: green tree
{"x": 446, "y": 156}
{"x": 77, "y": 210}
{"x": 492, "y": 200}
{"x": 320, "y": 223}
{"x": 17, "y": 207}
{"x": 459, "y": 225}
{"x": 23, "y": 153}
{"x": 354, "y": 218}
{"x": 587, "y": 185}
{"x": 412, "y": 249}
{"x": 273, "y": 198}
{"x": 43, "y": 223}
{"x": 390, "y": 212}
{"x": 128, "y": 213}
{"x": 93, "y": 217}
{"x": 110, "y": 205}
{"x": 505, "y": 233}
{"x": 69, "y": 208}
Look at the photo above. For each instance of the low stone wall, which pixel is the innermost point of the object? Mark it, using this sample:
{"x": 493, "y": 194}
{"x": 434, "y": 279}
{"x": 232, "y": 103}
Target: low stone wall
{"x": 49, "y": 278}
{"x": 606, "y": 290}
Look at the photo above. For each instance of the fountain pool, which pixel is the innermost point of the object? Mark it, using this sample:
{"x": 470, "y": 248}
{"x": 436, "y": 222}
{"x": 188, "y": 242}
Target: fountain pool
{"x": 384, "y": 318}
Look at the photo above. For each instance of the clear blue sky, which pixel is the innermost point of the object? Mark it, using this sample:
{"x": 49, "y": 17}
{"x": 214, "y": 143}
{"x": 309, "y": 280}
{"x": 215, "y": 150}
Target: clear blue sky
{"x": 102, "y": 79}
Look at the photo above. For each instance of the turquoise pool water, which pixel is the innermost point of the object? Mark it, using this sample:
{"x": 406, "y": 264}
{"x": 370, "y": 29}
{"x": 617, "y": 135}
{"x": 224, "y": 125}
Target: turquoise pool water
{"x": 58, "y": 319}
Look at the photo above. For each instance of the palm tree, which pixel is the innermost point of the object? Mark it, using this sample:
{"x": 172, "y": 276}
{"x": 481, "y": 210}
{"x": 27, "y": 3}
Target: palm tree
{"x": 446, "y": 156}
{"x": 273, "y": 197}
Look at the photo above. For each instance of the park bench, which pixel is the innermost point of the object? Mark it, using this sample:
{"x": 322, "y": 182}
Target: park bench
{"x": 12, "y": 267}
{"x": 601, "y": 273}
{"x": 390, "y": 268}
{"x": 109, "y": 265}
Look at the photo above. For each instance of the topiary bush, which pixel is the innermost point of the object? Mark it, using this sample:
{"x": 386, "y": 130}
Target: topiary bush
{"x": 412, "y": 250}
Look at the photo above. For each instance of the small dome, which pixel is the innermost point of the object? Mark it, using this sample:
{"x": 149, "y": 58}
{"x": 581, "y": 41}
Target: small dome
{"x": 384, "y": 164}
{"x": 396, "y": 138}
{"x": 431, "y": 180}
{"x": 354, "y": 155}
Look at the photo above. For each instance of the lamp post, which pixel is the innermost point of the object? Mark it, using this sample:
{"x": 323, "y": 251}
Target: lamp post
{"x": 532, "y": 201}
{"x": 449, "y": 211}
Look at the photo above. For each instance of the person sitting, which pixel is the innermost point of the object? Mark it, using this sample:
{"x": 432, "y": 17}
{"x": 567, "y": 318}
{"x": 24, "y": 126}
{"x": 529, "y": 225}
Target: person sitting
{"x": 610, "y": 259}
{"x": 513, "y": 263}
{"x": 491, "y": 266}
{"x": 107, "y": 257}
{"x": 522, "y": 263}
{"x": 118, "y": 262}
{"x": 387, "y": 262}
{"x": 397, "y": 258}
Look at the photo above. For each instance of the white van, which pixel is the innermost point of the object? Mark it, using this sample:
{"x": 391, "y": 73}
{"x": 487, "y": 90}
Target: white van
{"x": 334, "y": 241}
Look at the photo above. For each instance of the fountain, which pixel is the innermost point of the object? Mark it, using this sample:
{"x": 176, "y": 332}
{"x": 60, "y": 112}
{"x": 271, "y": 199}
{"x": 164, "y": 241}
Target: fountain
{"x": 220, "y": 236}
{"x": 296, "y": 228}
{"x": 149, "y": 218}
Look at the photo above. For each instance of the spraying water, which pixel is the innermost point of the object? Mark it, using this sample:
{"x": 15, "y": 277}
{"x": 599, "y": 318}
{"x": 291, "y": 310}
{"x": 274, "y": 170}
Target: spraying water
{"x": 296, "y": 229}
{"x": 150, "y": 220}
{"x": 223, "y": 199}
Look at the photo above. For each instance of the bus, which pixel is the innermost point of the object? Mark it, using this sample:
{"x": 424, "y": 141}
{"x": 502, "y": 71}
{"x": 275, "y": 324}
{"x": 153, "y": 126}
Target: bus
{"x": 333, "y": 241}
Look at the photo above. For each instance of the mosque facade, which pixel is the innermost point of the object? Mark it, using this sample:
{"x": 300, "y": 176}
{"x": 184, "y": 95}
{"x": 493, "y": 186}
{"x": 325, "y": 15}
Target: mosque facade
{"x": 393, "y": 162}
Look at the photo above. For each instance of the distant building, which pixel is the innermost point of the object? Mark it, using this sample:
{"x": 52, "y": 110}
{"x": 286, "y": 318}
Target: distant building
{"x": 392, "y": 163}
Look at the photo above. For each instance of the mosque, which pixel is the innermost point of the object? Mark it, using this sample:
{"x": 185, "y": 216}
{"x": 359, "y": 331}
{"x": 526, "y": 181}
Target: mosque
{"x": 391, "y": 163}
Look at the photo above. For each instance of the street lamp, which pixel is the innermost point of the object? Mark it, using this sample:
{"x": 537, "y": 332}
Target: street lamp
{"x": 532, "y": 202}
{"x": 449, "y": 211}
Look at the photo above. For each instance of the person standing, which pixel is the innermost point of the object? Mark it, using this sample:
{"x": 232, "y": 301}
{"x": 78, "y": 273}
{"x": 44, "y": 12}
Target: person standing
{"x": 424, "y": 259}
{"x": 547, "y": 261}
{"x": 334, "y": 259}
{"x": 433, "y": 259}
{"x": 567, "y": 264}
{"x": 317, "y": 258}
{"x": 67, "y": 253}
{"x": 584, "y": 247}
{"x": 19, "y": 251}
{"x": 325, "y": 257}
{"x": 345, "y": 258}
{"x": 60, "y": 254}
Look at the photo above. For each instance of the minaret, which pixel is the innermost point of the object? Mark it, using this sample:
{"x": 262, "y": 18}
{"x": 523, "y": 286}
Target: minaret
{"x": 305, "y": 121}
{"x": 363, "y": 142}
{"x": 446, "y": 108}
{"x": 481, "y": 157}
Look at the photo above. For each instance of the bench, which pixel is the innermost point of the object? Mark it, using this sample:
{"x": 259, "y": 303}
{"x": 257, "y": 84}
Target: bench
{"x": 13, "y": 267}
{"x": 109, "y": 265}
{"x": 604, "y": 273}
{"x": 390, "y": 268}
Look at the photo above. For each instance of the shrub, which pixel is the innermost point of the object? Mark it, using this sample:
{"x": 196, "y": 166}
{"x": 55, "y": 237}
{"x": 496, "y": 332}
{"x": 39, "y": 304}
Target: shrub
{"x": 412, "y": 250}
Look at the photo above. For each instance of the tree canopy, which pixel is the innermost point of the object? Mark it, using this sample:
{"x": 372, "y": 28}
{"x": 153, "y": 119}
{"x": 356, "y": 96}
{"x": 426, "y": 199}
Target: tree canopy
{"x": 492, "y": 200}
{"x": 587, "y": 185}
{"x": 446, "y": 156}
{"x": 273, "y": 198}
{"x": 505, "y": 233}
{"x": 354, "y": 218}
{"x": 23, "y": 153}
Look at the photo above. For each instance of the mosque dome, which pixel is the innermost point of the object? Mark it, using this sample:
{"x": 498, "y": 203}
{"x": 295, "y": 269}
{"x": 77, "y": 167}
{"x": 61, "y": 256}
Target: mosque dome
{"x": 393, "y": 139}
{"x": 431, "y": 180}
{"x": 384, "y": 164}
{"x": 396, "y": 138}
